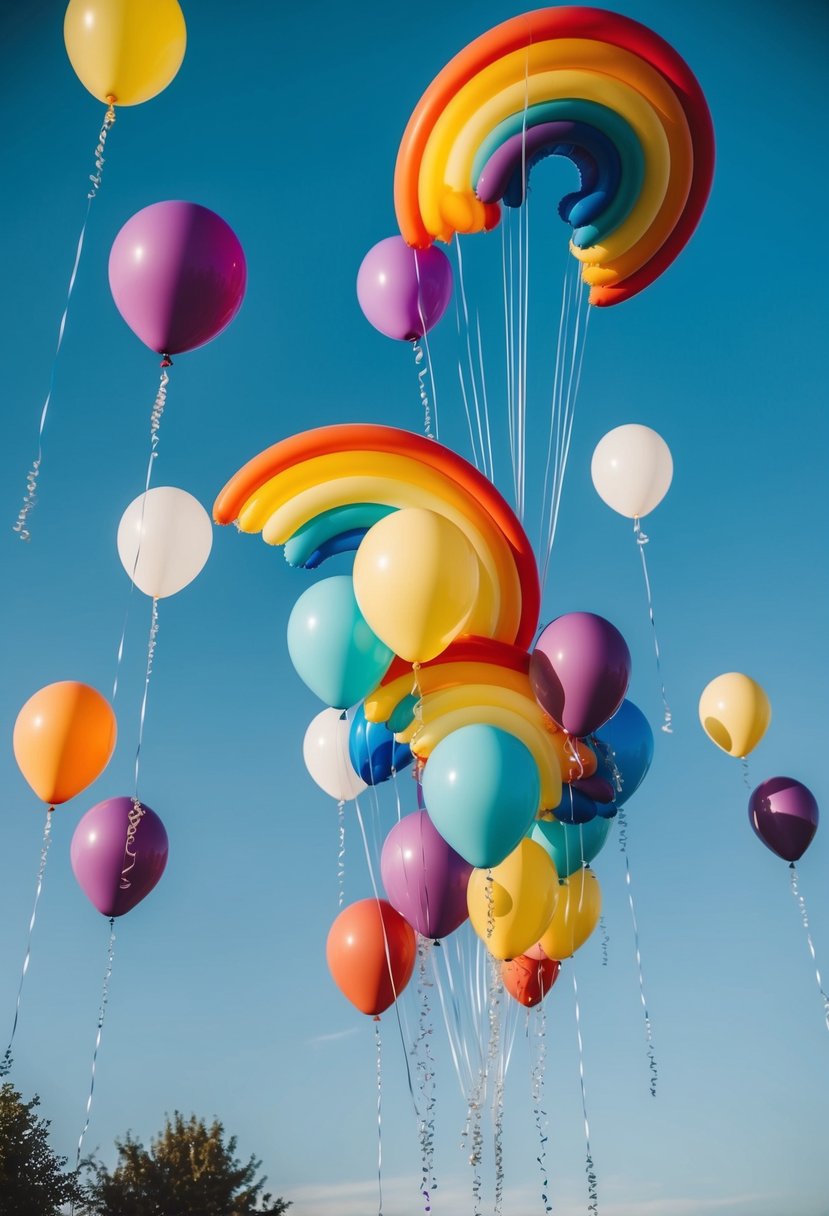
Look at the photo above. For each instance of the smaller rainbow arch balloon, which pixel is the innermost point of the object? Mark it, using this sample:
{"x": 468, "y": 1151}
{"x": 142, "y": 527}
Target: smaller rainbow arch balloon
{"x": 593, "y": 86}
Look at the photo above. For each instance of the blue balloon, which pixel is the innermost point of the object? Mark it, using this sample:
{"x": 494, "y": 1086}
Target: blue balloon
{"x": 374, "y": 751}
{"x": 482, "y": 787}
{"x": 570, "y": 845}
{"x": 624, "y": 747}
{"x": 575, "y": 807}
{"x": 331, "y": 645}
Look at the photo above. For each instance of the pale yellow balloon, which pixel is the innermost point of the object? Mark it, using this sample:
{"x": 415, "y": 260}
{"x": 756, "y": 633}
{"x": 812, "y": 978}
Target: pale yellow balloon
{"x": 511, "y": 904}
{"x": 735, "y": 713}
{"x": 125, "y": 51}
{"x": 576, "y": 916}
{"x": 416, "y": 579}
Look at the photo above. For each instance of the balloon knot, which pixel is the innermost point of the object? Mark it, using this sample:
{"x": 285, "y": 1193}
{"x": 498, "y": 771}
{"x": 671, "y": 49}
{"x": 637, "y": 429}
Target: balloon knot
{"x": 376, "y": 1017}
{"x": 166, "y": 361}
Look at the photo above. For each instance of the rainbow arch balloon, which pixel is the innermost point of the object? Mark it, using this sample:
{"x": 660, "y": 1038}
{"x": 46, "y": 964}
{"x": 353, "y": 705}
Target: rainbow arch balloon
{"x": 591, "y": 85}
{"x": 318, "y": 492}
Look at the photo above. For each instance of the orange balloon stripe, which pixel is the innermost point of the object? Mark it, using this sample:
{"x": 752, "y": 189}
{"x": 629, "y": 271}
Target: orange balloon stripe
{"x": 468, "y": 650}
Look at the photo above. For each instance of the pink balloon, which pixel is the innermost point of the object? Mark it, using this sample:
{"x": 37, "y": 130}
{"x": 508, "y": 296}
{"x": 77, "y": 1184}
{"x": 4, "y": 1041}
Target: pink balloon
{"x": 403, "y": 292}
{"x": 425, "y": 879}
{"x": 177, "y": 274}
{"x": 118, "y": 854}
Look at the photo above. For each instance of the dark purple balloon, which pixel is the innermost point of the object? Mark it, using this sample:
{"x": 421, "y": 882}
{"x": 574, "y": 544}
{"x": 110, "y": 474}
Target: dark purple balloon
{"x": 404, "y": 292}
{"x": 785, "y": 815}
{"x": 425, "y": 879}
{"x": 579, "y": 670}
{"x": 118, "y": 853}
{"x": 597, "y": 788}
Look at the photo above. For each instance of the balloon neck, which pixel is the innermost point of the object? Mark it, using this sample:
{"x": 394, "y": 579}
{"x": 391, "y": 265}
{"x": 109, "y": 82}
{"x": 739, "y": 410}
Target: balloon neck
{"x": 166, "y": 361}
{"x": 376, "y": 1017}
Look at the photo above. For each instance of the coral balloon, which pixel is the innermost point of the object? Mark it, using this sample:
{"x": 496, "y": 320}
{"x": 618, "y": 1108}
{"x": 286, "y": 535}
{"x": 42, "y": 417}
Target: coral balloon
{"x": 579, "y": 670}
{"x": 424, "y": 878}
{"x": 164, "y": 540}
{"x": 511, "y": 905}
{"x": 177, "y": 274}
{"x": 785, "y": 815}
{"x": 404, "y": 292}
{"x": 632, "y": 469}
{"x": 118, "y": 853}
{"x": 64, "y": 737}
{"x": 735, "y": 713}
{"x": 416, "y": 579}
{"x": 126, "y": 51}
{"x": 576, "y": 916}
{"x": 529, "y": 980}
{"x": 325, "y": 751}
{"x": 371, "y": 954}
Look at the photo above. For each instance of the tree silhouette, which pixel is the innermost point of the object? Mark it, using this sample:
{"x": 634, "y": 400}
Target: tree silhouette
{"x": 33, "y": 1179}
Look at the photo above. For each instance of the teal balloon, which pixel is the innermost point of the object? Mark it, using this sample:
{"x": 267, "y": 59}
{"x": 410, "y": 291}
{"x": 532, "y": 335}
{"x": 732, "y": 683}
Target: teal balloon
{"x": 331, "y": 645}
{"x": 571, "y": 845}
{"x": 403, "y": 714}
{"x": 481, "y": 788}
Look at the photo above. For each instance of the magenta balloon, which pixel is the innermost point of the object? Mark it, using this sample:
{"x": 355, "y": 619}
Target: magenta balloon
{"x": 118, "y": 854}
{"x": 579, "y": 670}
{"x": 177, "y": 274}
{"x": 425, "y": 879}
{"x": 785, "y": 815}
{"x": 402, "y": 291}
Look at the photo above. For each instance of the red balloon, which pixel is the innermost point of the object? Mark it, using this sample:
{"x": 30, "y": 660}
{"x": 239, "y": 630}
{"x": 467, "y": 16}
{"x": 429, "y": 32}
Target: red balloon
{"x": 528, "y": 979}
{"x": 371, "y": 954}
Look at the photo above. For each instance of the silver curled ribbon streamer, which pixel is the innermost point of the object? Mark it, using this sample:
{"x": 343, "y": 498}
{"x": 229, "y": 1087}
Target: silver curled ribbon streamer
{"x": 101, "y": 1014}
{"x": 425, "y": 1072}
{"x": 592, "y": 1186}
{"x": 641, "y": 541}
{"x": 20, "y": 526}
{"x": 147, "y": 676}
{"x": 379, "y": 1067}
{"x": 801, "y": 903}
{"x": 493, "y": 1062}
{"x": 605, "y": 940}
{"x": 423, "y": 372}
{"x": 340, "y": 852}
{"x": 623, "y": 846}
{"x": 538, "y": 1062}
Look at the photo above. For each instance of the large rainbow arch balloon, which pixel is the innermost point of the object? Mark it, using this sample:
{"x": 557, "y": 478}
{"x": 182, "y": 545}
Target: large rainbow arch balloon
{"x": 591, "y": 85}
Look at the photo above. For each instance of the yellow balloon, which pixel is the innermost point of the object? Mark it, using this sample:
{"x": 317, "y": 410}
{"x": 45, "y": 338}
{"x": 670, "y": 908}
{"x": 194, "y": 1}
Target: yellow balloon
{"x": 511, "y": 904}
{"x": 576, "y": 916}
{"x": 735, "y": 713}
{"x": 416, "y": 578}
{"x": 125, "y": 51}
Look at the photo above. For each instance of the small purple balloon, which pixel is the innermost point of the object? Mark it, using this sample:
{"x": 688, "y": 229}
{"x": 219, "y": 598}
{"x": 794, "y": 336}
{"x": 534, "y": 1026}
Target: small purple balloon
{"x": 177, "y": 274}
{"x": 404, "y": 292}
{"x": 579, "y": 670}
{"x": 425, "y": 879}
{"x": 785, "y": 815}
{"x": 118, "y": 853}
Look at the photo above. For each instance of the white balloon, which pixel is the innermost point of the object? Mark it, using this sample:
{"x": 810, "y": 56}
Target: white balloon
{"x": 325, "y": 751}
{"x": 170, "y": 534}
{"x": 632, "y": 469}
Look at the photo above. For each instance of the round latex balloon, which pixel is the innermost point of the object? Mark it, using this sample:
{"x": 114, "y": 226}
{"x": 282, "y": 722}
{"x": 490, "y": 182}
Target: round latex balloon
{"x": 375, "y": 753}
{"x": 575, "y": 807}
{"x": 571, "y": 845}
{"x": 624, "y": 746}
{"x": 416, "y": 579}
{"x": 511, "y": 904}
{"x": 164, "y": 540}
{"x": 424, "y": 878}
{"x": 118, "y": 854}
{"x": 784, "y": 814}
{"x": 481, "y": 786}
{"x": 64, "y": 737}
{"x": 579, "y": 671}
{"x": 325, "y": 751}
{"x": 632, "y": 469}
{"x": 576, "y": 916}
{"x": 403, "y": 292}
{"x": 177, "y": 274}
{"x": 125, "y": 51}
{"x": 371, "y": 954}
{"x": 331, "y": 645}
{"x": 529, "y": 980}
{"x": 735, "y": 713}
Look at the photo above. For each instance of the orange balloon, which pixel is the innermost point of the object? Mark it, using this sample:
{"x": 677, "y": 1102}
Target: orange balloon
{"x": 371, "y": 954}
{"x": 64, "y": 737}
{"x": 529, "y": 979}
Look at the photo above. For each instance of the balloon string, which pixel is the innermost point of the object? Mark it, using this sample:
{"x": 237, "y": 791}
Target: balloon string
{"x": 379, "y": 1047}
{"x": 592, "y": 1189}
{"x": 641, "y": 541}
{"x": 506, "y": 228}
{"x": 484, "y": 396}
{"x": 473, "y": 1134}
{"x": 101, "y": 1014}
{"x": 449, "y": 1028}
{"x": 422, "y": 372}
{"x": 605, "y": 940}
{"x": 470, "y": 363}
{"x": 746, "y": 774}
{"x": 801, "y": 903}
{"x": 425, "y": 1068}
{"x": 538, "y": 1062}
{"x": 493, "y": 1054}
{"x": 623, "y": 845}
{"x": 428, "y": 370}
{"x": 150, "y": 657}
{"x": 6, "y": 1064}
{"x": 341, "y": 852}
{"x": 489, "y": 882}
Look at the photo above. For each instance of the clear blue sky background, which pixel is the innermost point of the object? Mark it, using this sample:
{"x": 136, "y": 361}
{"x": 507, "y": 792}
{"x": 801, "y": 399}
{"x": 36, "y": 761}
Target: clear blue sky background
{"x": 286, "y": 120}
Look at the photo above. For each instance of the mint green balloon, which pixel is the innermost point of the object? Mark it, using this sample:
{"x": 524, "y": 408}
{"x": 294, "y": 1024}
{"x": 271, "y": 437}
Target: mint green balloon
{"x": 571, "y": 845}
{"x": 331, "y": 645}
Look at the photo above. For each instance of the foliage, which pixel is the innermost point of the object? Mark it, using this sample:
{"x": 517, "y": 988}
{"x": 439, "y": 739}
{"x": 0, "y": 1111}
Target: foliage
{"x": 33, "y": 1180}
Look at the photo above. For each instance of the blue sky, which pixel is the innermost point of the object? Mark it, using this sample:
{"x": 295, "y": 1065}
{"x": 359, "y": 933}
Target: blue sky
{"x": 286, "y": 122}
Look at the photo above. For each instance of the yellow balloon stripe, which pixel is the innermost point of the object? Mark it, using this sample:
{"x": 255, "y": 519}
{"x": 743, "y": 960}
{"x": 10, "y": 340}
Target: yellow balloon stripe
{"x": 380, "y": 704}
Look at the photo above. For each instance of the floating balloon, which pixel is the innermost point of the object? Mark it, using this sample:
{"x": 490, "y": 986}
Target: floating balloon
{"x": 404, "y": 292}
{"x": 735, "y": 713}
{"x": 579, "y": 670}
{"x": 511, "y": 904}
{"x": 571, "y": 845}
{"x": 575, "y": 807}
{"x": 332, "y": 646}
{"x": 625, "y": 746}
{"x": 481, "y": 786}
{"x": 576, "y": 916}
{"x": 632, "y": 469}
{"x": 64, "y": 737}
{"x": 325, "y": 751}
{"x": 375, "y": 753}
{"x": 126, "y": 51}
{"x": 371, "y": 954}
{"x": 596, "y": 788}
{"x": 785, "y": 816}
{"x": 118, "y": 854}
{"x": 529, "y": 980}
{"x": 177, "y": 274}
{"x": 424, "y": 878}
{"x": 416, "y": 581}
{"x": 164, "y": 540}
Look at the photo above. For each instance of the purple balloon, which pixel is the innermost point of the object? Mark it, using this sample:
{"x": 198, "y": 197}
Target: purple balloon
{"x": 785, "y": 815}
{"x": 118, "y": 853}
{"x": 425, "y": 879}
{"x": 177, "y": 274}
{"x": 597, "y": 788}
{"x": 579, "y": 671}
{"x": 403, "y": 291}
